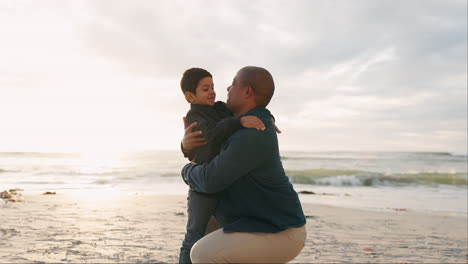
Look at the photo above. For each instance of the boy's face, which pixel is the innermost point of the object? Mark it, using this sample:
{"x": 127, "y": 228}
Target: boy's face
{"x": 205, "y": 94}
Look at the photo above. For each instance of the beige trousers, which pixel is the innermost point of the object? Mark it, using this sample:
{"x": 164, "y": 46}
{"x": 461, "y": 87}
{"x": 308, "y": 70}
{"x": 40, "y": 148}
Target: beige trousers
{"x": 220, "y": 247}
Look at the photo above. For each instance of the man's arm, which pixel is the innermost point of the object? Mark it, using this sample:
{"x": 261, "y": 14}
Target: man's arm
{"x": 195, "y": 139}
{"x": 223, "y": 130}
{"x": 215, "y": 134}
{"x": 246, "y": 150}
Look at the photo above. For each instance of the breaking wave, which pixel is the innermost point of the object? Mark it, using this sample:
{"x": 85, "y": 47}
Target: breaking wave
{"x": 366, "y": 178}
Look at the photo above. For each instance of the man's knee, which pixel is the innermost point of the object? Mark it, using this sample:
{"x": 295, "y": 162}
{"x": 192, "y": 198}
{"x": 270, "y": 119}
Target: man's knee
{"x": 199, "y": 254}
{"x": 210, "y": 249}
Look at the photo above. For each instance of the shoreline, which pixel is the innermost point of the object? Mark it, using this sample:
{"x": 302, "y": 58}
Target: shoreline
{"x": 141, "y": 228}
{"x": 431, "y": 199}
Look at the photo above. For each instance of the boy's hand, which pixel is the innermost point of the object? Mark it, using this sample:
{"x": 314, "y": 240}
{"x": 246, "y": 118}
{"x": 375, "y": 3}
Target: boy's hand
{"x": 252, "y": 122}
{"x": 191, "y": 139}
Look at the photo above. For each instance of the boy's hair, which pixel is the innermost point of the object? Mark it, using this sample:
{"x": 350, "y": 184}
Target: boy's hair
{"x": 191, "y": 77}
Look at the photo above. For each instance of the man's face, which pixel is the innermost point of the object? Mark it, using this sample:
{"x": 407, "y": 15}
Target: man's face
{"x": 235, "y": 98}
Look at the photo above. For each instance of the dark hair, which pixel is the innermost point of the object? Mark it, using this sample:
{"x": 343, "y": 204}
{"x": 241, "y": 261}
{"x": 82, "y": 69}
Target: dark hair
{"x": 261, "y": 82}
{"x": 191, "y": 77}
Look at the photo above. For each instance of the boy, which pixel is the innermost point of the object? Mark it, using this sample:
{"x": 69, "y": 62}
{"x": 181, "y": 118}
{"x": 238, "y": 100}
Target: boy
{"x": 217, "y": 124}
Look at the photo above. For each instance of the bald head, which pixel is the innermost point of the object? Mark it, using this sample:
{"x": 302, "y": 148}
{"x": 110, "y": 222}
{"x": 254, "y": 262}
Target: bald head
{"x": 261, "y": 82}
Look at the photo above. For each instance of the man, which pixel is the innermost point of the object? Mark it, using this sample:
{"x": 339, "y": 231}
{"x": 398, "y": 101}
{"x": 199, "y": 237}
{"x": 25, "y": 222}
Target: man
{"x": 259, "y": 211}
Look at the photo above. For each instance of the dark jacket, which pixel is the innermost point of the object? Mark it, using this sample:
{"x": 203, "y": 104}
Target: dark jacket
{"x": 257, "y": 195}
{"x": 217, "y": 124}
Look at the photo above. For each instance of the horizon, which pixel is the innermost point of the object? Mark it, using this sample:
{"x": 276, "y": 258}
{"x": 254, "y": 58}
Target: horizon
{"x": 281, "y": 151}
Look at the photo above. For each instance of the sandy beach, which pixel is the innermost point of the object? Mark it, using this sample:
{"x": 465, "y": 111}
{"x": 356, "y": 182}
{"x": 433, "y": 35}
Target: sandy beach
{"x": 112, "y": 227}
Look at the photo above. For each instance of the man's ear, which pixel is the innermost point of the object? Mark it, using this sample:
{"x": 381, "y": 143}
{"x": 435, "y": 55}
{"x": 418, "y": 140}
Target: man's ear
{"x": 189, "y": 96}
{"x": 248, "y": 91}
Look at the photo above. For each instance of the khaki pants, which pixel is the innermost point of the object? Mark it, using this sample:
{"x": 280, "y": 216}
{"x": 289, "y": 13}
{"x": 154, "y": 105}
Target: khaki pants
{"x": 220, "y": 247}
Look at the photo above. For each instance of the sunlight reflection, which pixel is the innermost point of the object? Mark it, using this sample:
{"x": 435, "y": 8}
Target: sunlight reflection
{"x": 100, "y": 162}
{"x": 105, "y": 197}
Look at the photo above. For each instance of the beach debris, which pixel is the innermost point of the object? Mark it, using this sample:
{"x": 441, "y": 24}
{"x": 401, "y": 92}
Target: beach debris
{"x": 310, "y": 216}
{"x": 306, "y": 192}
{"x": 311, "y": 192}
{"x": 368, "y": 249}
{"x": 76, "y": 243}
{"x": 15, "y": 191}
{"x": 5, "y": 195}
{"x": 11, "y": 196}
{"x": 179, "y": 213}
{"x": 49, "y": 193}
{"x": 9, "y": 232}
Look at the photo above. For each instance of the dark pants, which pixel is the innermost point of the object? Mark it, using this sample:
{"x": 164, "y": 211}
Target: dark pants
{"x": 200, "y": 209}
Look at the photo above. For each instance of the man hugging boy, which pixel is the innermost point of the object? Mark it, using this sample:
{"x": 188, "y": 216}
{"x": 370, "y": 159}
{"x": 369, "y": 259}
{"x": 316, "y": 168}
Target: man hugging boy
{"x": 217, "y": 124}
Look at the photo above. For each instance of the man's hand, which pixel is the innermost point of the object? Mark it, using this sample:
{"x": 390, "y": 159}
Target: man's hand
{"x": 276, "y": 128}
{"x": 191, "y": 139}
{"x": 252, "y": 122}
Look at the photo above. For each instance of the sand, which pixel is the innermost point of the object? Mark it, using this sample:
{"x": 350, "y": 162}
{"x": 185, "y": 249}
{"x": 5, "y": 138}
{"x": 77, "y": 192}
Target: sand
{"x": 109, "y": 227}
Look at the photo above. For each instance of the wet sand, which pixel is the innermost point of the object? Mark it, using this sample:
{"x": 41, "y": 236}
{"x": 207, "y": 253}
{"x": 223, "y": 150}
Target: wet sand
{"x": 139, "y": 228}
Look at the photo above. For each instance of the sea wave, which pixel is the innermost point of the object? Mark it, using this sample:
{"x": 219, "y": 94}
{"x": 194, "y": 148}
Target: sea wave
{"x": 367, "y": 178}
{"x": 461, "y": 155}
{"x": 40, "y": 154}
{"x": 8, "y": 171}
{"x": 371, "y": 155}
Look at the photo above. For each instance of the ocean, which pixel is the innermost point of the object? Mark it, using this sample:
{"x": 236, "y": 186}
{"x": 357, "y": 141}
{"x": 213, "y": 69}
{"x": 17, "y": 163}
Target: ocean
{"x": 369, "y": 180}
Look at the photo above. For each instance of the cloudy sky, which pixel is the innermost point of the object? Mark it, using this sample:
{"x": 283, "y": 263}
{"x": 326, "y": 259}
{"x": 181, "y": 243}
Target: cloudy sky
{"x": 350, "y": 75}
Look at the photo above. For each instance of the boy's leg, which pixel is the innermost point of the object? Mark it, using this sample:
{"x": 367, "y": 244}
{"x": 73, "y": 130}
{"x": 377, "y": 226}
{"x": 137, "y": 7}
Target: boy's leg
{"x": 200, "y": 208}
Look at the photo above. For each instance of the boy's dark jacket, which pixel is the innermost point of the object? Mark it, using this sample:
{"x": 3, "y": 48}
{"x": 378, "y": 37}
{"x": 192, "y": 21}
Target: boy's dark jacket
{"x": 217, "y": 124}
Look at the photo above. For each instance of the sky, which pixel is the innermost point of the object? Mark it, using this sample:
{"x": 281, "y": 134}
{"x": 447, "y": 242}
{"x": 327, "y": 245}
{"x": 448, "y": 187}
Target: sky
{"x": 361, "y": 75}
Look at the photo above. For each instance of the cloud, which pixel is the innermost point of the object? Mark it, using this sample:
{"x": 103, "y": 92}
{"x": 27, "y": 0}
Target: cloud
{"x": 350, "y": 73}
